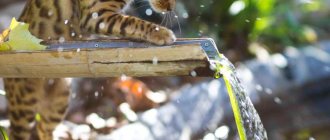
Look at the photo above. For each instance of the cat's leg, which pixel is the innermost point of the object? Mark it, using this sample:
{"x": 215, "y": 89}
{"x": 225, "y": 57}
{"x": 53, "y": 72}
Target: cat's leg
{"x": 104, "y": 18}
{"x": 22, "y": 96}
{"x": 52, "y": 106}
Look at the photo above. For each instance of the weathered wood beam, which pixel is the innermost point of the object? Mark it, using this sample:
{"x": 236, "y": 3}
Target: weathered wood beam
{"x": 109, "y": 58}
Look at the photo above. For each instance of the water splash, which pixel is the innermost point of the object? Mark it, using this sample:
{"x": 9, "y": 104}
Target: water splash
{"x": 248, "y": 122}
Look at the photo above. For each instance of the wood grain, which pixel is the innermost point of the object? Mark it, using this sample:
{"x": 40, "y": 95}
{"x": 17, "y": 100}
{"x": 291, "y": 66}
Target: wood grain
{"x": 176, "y": 60}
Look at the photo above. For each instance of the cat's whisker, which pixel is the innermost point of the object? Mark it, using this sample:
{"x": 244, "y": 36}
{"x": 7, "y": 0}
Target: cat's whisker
{"x": 139, "y": 1}
{"x": 177, "y": 19}
{"x": 162, "y": 20}
{"x": 135, "y": 3}
{"x": 170, "y": 18}
{"x": 166, "y": 19}
{"x": 141, "y": 6}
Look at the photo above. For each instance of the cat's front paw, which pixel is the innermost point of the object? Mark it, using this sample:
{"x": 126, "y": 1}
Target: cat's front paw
{"x": 161, "y": 36}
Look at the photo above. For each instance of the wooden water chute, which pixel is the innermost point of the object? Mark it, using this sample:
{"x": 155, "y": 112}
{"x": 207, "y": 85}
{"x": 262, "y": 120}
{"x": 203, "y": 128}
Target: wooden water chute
{"x": 111, "y": 58}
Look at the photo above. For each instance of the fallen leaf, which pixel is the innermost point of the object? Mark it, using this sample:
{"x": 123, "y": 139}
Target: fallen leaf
{"x": 18, "y": 37}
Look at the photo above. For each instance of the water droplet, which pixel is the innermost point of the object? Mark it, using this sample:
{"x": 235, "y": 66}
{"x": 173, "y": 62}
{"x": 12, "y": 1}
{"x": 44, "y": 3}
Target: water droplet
{"x": 102, "y": 25}
{"x": 279, "y": 60}
{"x": 123, "y": 77}
{"x": 268, "y": 91}
{"x": 200, "y": 33}
{"x": 209, "y": 136}
{"x": 73, "y": 95}
{"x": 311, "y": 138}
{"x": 259, "y": 87}
{"x": 193, "y": 73}
{"x": 50, "y": 13}
{"x": 148, "y": 12}
{"x": 213, "y": 67}
{"x": 185, "y": 15}
{"x": 236, "y": 7}
{"x": 51, "y": 81}
{"x": 245, "y": 114}
{"x": 96, "y": 121}
{"x": 277, "y": 100}
{"x": 95, "y": 15}
{"x": 243, "y": 104}
{"x": 306, "y": 1}
{"x": 222, "y": 132}
{"x": 60, "y": 49}
{"x": 155, "y": 60}
{"x": 256, "y": 137}
{"x": 128, "y": 112}
{"x": 61, "y": 40}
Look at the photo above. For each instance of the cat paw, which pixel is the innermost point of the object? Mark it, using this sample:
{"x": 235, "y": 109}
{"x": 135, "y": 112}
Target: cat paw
{"x": 161, "y": 36}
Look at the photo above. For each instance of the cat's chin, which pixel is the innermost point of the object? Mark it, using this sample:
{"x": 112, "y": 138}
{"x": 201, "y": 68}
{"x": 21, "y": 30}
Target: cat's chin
{"x": 162, "y": 6}
{"x": 157, "y": 9}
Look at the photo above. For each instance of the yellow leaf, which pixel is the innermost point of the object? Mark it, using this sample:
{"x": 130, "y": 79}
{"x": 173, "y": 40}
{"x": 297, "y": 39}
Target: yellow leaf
{"x": 3, "y": 38}
{"x": 20, "y": 38}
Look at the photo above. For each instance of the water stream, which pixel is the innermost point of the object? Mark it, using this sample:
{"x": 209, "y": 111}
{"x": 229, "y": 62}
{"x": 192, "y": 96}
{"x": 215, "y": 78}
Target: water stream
{"x": 248, "y": 122}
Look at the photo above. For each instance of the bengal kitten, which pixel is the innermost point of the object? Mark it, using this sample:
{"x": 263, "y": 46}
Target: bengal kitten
{"x": 69, "y": 20}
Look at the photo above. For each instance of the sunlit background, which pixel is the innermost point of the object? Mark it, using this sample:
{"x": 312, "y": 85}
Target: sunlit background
{"x": 282, "y": 52}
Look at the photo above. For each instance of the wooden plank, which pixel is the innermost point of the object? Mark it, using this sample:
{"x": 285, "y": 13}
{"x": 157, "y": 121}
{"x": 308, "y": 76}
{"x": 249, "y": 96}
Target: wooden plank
{"x": 110, "y": 59}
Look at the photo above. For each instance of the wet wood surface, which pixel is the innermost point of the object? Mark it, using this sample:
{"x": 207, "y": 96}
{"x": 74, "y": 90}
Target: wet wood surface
{"x": 106, "y": 59}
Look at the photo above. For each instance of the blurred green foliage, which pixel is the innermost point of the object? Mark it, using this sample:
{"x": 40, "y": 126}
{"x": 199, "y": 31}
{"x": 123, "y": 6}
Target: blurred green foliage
{"x": 280, "y": 24}
{"x": 273, "y": 23}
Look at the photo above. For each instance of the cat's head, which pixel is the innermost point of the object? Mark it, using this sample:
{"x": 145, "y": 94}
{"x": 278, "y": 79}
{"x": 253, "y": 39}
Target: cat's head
{"x": 162, "y": 5}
